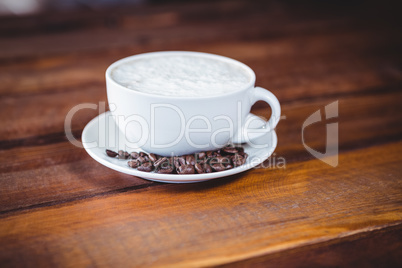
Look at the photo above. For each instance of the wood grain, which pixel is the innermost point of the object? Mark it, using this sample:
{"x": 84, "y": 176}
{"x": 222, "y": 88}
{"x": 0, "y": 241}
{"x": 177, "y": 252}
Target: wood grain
{"x": 58, "y": 207}
{"x": 261, "y": 212}
{"x": 384, "y": 247}
{"x": 65, "y": 158}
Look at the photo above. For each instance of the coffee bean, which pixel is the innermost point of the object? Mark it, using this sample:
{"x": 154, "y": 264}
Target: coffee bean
{"x": 202, "y": 162}
{"x": 229, "y": 150}
{"x": 153, "y": 157}
{"x": 133, "y": 163}
{"x": 229, "y": 166}
{"x": 134, "y": 155}
{"x": 201, "y": 155}
{"x": 123, "y": 154}
{"x": 218, "y": 167}
{"x": 207, "y": 168}
{"x": 168, "y": 170}
{"x": 142, "y": 159}
{"x": 220, "y": 163}
{"x": 160, "y": 161}
{"x": 144, "y": 155}
{"x": 179, "y": 161}
{"x": 223, "y": 160}
{"x": 213, "y": 161}
{"x": 190, "y": 160}
{"x": 240, "y": 150}
{"x": 185, "y": 169}
{"x": 199, "y": 168}
{"x": 238, "y": 160}
{"x": 210, "y": 154}
{"x": 202, "y": 159}
{"x": 146, "y": 167}
{"x": 111, "y": 153}
{"x": 167, "y": 164}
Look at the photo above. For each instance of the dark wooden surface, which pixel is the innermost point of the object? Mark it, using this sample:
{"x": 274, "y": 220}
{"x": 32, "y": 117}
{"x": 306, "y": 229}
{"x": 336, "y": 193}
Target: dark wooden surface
{"x": 58, "y": 207}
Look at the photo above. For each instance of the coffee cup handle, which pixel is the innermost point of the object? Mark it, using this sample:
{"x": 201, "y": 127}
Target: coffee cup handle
{"x": 248, "y": 134}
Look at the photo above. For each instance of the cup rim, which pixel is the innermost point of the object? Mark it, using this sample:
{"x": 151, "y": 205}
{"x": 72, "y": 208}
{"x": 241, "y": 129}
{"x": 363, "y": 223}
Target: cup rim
{"x": 250, "y": 72}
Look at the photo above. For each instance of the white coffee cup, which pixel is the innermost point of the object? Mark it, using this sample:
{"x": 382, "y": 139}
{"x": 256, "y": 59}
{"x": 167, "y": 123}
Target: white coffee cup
{"x": 179, "y": 125}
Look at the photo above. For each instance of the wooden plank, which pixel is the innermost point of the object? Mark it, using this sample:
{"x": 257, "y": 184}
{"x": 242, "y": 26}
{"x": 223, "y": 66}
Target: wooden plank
{"x": 27, "y": 165}
{"x": 380, "y": 110}
{"x": 197, "y": 12}
{"x": 53, "y": 174}
{"x": 130, "y": 30}
{"x": 32, "y": 170}
{"x": 40, "y": 115}
{"x": 216, "y": 222}
{"x": 279, "y": 64}
{"x": 58, "y": 207}
{"x": 120, "y": 17}
{"x": 53, "y": 76}
{"x": 173, "y": 29}
{"x": 378, "y": 248}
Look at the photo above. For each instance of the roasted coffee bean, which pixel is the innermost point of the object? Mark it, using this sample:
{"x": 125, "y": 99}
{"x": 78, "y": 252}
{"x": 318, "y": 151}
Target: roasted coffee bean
{"x": 153, "y": 157}
{"x": 146, "y": 167}
{"x": 229, "y": 166}
{"x": 238, "y": 160}
{"x": 202, "y": 162}
{"x": 223, "y": 160}
{"x": 134, "y": 155}
{"x": 201, "y": 155}
{"x": 199, "y": 168}
{"x": 207, "y": 168}
{"x": 142, "y": 159}
{"x": 123, "y": 154}
{"x": 144, "y": 156}
{"x": 168, "y": 170}
{"x": 176, "y": 162}
{"x": 210, "y": 154}
{"x": 111, "y": 153}
{"x": 166, "y": 164}
{"x": 160, "y": 161}
{"x": 240, "y": 150}
{"x": 218, "y": 167}
{"x": 229, "y": 150}
{"x": 179, "y": 161}
{"x": 190, "y": 160}
{"x": 185, "y": 169}
{"x": 213, "y": 161}
{"x": 220, "y": 163}
{"x": 133, "y": 163}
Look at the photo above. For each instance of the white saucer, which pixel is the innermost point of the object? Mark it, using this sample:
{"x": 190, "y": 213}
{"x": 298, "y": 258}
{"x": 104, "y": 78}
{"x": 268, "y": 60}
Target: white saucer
{"x": 102, "y": 133}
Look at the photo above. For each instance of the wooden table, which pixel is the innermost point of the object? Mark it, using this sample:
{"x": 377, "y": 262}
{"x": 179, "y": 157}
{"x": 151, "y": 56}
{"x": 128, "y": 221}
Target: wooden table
{"x": 60, "y": 208}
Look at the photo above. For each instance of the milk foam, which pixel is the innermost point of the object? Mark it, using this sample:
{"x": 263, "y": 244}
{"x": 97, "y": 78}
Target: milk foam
{"x": 184, "y": 75}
